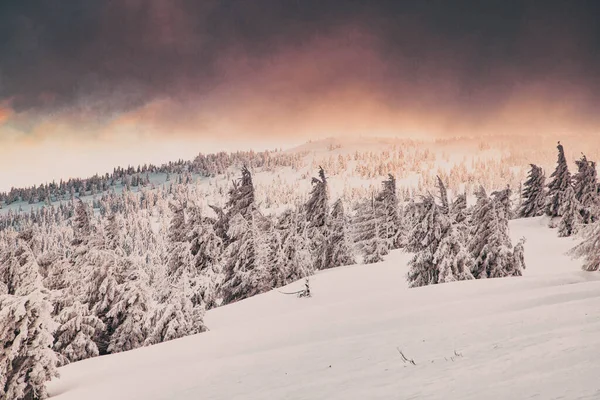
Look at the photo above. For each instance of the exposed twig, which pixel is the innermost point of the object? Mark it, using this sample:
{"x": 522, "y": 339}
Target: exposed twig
{"x": 404, "y": 358}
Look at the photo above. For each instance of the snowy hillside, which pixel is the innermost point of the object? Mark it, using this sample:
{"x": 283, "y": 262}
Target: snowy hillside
{"x": 537, "y": 336}
{"x": 355, "y": 167}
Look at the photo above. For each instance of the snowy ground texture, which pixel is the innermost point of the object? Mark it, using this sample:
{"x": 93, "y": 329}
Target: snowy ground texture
{"x": 534, "y": 337}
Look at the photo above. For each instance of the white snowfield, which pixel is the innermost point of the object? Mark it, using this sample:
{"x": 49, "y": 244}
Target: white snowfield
{"x": 532, "y": 337}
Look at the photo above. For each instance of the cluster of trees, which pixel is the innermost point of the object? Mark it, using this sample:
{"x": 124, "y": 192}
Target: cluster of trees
{"x": 122, "y": 278}
{"x": 203, "y": 165}
{"x": 452, "y": 242}
{"x": 572, "y": 201}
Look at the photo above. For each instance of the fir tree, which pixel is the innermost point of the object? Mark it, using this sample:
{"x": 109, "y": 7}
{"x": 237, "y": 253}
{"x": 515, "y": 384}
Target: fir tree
{"x": 585, "y": 185}
{"x": 570, "y": 212}
{"x": 244, "y": 275}
{"x": 339, "y": 251}
{"x": 533, "y": 195}
{"x": 458, "y": 209}
{"x": 369, "y": 237}
{"x": 589, "y": 249}
{"x": 241, "y": 200}
{"x": 387, "y": 199}
{"x": 27, "y": 360}
{"x": 74, "y": 338}
{"x": 452, "y": 259}
{"x": 424, "y": 241}
{"x": 440, "y": 253}
{"x": 443, "y": 196}
{"x": 317, "y": 217}
{"x": 291, "y": 250}
{"x": 175, "y": 318}
{"x": 490, "y": 243}
{"x": 129, "y": 312}
{"x": 81, "y": 222}
{"x": 561, "y": 180}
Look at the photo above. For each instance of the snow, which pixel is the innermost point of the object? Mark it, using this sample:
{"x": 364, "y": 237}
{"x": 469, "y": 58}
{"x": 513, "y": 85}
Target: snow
{"x": 536, "y": 336}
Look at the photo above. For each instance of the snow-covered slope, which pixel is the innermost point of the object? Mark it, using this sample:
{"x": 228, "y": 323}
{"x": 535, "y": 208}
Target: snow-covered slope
{"x": 537, "y": 336}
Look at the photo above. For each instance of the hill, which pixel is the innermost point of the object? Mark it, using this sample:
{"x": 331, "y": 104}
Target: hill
{"x": 536, "y": 336}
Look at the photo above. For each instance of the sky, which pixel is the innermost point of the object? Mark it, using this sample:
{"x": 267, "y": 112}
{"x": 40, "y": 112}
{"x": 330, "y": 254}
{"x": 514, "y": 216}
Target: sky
{"x": 85, "y": 86}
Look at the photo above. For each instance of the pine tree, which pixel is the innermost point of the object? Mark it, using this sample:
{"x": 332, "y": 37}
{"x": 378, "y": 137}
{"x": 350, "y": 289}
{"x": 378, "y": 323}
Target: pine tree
{"x": 585, "y": 185}
{"x": 589, "y": 249}
{"x": 452, "y": 259}
{"x": 244, "y": 276}
{"x": 81, "y": 222}
{"x": 206, "y": 249}
{"x": 129, "y": 311}
{"x": 534, "y": 196}
{"x": 317, "y": 217}
{"x": 369, "y": 237}
{"x": 490, "y": 243}
{"x": 443, "y": 196}
{"x": 387, "y": 199}
{"x": 458, "y": 209}
{"x": 291, "y": 250}
{"x": 571, "y": 217}
{"x": 241, "y": 200}
{"x": 424, "y": 241}
{"x": 176, "y": 317}
{"x": 74, "y": 338}
{"x": 27, "y": 360}
{"x": 339, "y": 251}
{"x": 561, "y": 180}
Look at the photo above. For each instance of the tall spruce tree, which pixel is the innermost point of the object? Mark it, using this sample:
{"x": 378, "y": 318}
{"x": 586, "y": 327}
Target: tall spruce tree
{"x": 387, "y": 200}
{"x": 490, "y": 243}
{"x": 443, "y": 196}
{"x": 589, "y": 249}
{"x": 339, "y": 250}
{"x": 27, "y": 360}
{"x": 585, "y": 185}
{"x": 561, "y": 180}
{"x": 244, "y": 274}
{"x": 317, "y": 218}
{"x": 440, "y": 255}
{"x": 369, "y": 237}
{"x": 534, "y": 196}
{"x": 292, "y": 255}
{"x": 570, "y": 211}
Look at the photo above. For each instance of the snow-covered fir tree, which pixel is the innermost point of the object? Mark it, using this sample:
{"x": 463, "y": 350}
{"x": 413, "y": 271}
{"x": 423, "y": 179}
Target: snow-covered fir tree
{"x": 440, "y": 254}
{"x": 176, "y": 317}
{"x": 244, "y": 274}
{"x": 585, "y": 187}
{"x": 369, "y": 238}
{"x": 490, "y": 243}
{"x": 317, "y": 217}
{"x": 534, "y": 195}
{"x": 570, "y": 212}
{"x": 589, "y": 248}
{"x": 74, "y": 338}
{"x": 27, "y": 360}
{"x": 241, "y": 199}
{"x": 458, "y": 209}
{"x": 560, "y": 181}
{"x": 81, "y": 222}
{"x": 339, "y": 248}
{"x": 387, "y": 199}
{"x": 292, "y": 250}
{"x": 443, "y": 196}
{"x": 206, "y": 248}
{"x": 452, "y": 258}
{"x": 130, "y": 311}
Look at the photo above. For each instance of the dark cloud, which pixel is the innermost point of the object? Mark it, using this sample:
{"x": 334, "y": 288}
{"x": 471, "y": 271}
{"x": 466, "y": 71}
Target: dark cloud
{"x": 104, "y": 58}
